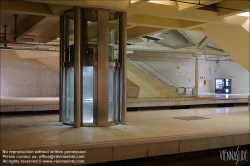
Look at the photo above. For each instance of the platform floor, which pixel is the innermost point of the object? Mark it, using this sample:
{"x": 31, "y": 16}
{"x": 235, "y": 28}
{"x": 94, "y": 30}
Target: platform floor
{"x": 13, "y": 104}
{"x": 206, "y": 98}
{"x": 147, "y": 133}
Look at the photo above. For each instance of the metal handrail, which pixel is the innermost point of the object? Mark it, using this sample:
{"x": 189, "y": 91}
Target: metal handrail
{"x": 160, "y": 74}
{"x": 155, "y": 74}
{"x": 144, "y": 69}
{"x": 173, "y": 88}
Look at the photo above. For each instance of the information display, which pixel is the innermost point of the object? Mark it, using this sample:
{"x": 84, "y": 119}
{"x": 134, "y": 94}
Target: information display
{"x": 223, "y": 85}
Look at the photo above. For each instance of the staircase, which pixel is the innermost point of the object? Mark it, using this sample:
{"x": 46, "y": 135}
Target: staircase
{"x": 186, "y": 91}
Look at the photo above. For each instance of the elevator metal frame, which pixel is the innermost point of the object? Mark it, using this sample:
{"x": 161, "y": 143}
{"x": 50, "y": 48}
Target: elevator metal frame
{"x": 100, "y": 117}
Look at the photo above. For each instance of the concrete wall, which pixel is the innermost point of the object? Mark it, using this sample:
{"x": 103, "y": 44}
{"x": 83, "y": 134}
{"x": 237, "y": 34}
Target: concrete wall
{"x": 180, "y": 69}
{"x": 234, "y": 40}
{"x": 149, "y": 86}
{"x": 222, "y": 69}
{"x": 26, "y": 77}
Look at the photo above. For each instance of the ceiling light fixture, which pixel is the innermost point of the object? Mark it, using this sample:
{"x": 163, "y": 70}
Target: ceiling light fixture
{"x": 245, "y": 14}
{"x": 133, "y": 1}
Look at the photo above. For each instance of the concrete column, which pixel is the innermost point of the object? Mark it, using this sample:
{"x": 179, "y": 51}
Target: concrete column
{"x": 77, "y": 67}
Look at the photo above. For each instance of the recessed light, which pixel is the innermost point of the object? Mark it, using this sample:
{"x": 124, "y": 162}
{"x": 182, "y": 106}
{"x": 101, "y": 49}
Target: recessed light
{"x": 245, "y": 14}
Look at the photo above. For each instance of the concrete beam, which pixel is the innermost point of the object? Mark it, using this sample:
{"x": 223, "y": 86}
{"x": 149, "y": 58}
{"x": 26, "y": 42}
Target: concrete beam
{"x": 25, "y": 7}
{"x": 204, "y": 42}
{"x": 151, "y": 21}
{"x": 199, "y": 29}
{"x": 131, "y": 26}
{"x": 234, "y": 40}
{"x": 166, "y": 11}
{"x": 11, "y": 37}
{"x": 160, "y": 22}
{"x": 175, "y": 34}
{"x": 192, "y": 24}
{"x": 154, "y": 48}
{"x": 30, "y": 24}
{"x": 50, "y": 35}
{"x": 242, "y": 5}
{"x": 187, "y": 5}
{"x": 164, "y": 45}
{"x": 137, "y": 2}
{"x": 211, "y": 8}
{"x": 140, "y": 31}
{"x": 217, "y": 49}
{"x": 189, "y": 37}
{"x": 182, "y": 46}
{"x": 150, "y": 42}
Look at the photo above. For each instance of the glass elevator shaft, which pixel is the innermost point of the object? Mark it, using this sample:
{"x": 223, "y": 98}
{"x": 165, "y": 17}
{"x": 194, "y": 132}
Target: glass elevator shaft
{"x": 92, "y": 66}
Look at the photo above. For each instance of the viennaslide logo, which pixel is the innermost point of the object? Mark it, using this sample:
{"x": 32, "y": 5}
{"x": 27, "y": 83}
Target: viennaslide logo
{"x": 232, "y": 155}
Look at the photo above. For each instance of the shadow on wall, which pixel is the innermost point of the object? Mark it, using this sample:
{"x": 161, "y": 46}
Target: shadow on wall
{"x": 26, "y": 77}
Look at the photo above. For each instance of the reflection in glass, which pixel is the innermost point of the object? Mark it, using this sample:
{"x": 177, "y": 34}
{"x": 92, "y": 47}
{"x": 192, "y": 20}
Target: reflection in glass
{"x": 69, "y": 103}
{"x": 90, "y": 36}
{"x": 89, "y": 89}
{"x": 110, "y": 96}
{"x": 113, "y": 37}
{"x": 69, "y": 70}
{"x": 114, "y": 109}
{"x": 71, "y": 32}
{"x": 113, "y": 114}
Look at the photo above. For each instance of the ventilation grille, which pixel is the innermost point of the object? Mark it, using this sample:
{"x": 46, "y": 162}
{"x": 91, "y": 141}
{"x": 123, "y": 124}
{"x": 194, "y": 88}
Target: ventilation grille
{"x": 187, "y": 118}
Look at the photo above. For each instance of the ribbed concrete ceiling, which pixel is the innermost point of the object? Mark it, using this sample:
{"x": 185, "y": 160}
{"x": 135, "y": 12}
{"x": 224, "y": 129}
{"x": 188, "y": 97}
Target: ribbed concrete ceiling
{"x": 194, "y": 19}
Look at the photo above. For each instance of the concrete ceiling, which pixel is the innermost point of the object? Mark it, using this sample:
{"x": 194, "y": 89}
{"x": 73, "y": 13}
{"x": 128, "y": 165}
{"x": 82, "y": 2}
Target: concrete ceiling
{"x": 198, "y": 21}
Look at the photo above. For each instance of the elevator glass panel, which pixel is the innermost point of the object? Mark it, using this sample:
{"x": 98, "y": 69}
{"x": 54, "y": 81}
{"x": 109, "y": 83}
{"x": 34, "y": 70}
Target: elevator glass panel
{"x": 113, "y": 96}
{"x": 113, "y": 37}
{"x": 90, "y": 36}
{"x": 90, "y": 57}
{"x": 89, "y": 96}
{"x": 69, "y": 70}
{"x": 97, "y": 88}
{"x": 69, "y": 118}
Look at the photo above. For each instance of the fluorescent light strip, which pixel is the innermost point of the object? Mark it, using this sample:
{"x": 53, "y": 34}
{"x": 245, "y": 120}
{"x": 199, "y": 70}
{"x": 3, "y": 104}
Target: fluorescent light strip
{"x": 245, "y": 14}
{"x": 133, "y": 1}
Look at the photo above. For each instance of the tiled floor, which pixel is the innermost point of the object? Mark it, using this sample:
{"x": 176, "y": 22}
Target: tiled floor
{"x": 145, "y": 134}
